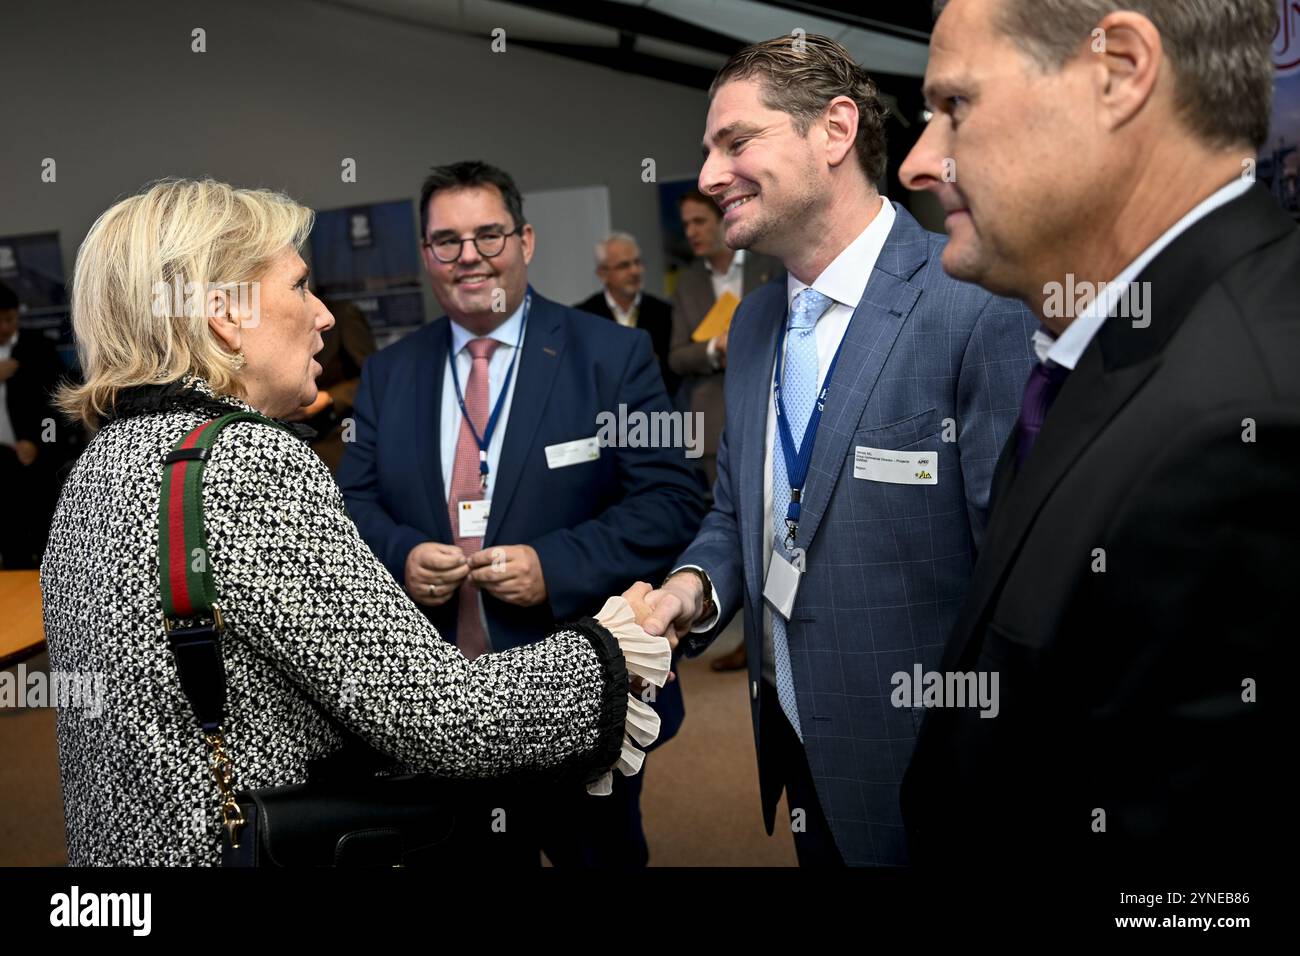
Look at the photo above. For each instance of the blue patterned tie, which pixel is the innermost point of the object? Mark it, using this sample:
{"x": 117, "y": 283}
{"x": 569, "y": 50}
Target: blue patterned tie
{"x": 798, "y": 396}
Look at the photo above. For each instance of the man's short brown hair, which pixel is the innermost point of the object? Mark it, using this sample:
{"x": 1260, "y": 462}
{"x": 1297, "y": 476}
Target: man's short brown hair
{"x": 1220, "y": 51}
{"x": 800, "y": 75}
{"x": 694, "y": 195}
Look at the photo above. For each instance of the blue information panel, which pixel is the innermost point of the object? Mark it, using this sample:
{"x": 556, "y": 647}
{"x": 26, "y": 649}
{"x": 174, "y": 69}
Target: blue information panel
{"x": 369, "y": 256}
{"x": 32, "y": 266}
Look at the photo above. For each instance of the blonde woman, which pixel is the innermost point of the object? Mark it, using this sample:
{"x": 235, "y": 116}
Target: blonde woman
{"x": 190, "y": 301}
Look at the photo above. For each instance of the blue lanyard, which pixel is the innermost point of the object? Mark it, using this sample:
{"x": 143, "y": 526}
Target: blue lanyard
{"x": 486, "y": 438}
{"x": 797, "y": 462}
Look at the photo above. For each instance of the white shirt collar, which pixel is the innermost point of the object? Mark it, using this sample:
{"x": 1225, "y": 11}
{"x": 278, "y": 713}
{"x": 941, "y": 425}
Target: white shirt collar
{"x": 1067, "y": 348}
{"x": 845, "y": 279}
{"x": 507, "y": 333}
{"x": 618, "y": 309}
{"x": 737, "y": 263}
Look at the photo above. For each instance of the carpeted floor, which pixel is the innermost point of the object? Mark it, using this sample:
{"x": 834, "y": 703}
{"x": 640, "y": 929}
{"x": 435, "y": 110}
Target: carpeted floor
{"x": 700, "y": 801}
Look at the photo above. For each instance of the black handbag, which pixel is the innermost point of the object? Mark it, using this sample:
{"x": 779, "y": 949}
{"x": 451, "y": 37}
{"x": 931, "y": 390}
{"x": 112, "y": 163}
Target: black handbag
{"x": 344, "y": 815}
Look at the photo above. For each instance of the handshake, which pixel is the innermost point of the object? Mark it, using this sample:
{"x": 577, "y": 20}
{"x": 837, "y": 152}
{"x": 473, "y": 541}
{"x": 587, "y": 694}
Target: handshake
{"x": 513, "y": 573}
{"x": 671, "y": 610}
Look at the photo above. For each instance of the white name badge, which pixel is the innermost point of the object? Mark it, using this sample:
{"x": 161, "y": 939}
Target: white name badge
{"x": 572, "y": 452}
{"x": 473, "y": 518}
{"x": 896, "y": 467}
{"x": 782, "y": 583}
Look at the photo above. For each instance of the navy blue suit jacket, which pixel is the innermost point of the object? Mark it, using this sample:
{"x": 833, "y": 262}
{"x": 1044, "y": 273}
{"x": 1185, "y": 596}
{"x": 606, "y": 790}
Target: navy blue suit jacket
{"x": 597, "y": 526}
{"x": 928, "y": 364}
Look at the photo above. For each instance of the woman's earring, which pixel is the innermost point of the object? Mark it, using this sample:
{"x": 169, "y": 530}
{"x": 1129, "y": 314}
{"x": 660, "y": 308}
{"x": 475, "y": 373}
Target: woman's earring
{"x": 237, "y": 360}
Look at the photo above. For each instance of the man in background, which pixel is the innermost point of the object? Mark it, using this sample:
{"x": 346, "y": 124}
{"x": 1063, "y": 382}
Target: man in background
{"x": 716, "y": 269}
{"x": 623, "y": 298}
{"x": 30, "y": 428}
{"x": 478, "y": 479}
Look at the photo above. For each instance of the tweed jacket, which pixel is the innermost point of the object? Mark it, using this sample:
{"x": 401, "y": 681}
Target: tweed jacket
{"x": 321, "y": 646}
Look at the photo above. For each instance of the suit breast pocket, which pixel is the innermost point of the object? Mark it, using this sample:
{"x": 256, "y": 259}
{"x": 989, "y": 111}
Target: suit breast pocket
{"x": 904, "y": 452}
{"x": 900, "y": 471}
{"x": 901, "y": 432}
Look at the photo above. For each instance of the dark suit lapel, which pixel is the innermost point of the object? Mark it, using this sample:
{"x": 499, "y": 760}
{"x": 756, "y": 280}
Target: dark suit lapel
{"x": 1110, "y": 371}
{"x": 886, "y": 303}
{"x": 1089, "y": 399}
{"x": 754, "y": 272}
{"x": 1003, "y": 472}
{"x": 770, "y": 315}
{"x": 428, "y": 436}
{"x": 537, "y": 370}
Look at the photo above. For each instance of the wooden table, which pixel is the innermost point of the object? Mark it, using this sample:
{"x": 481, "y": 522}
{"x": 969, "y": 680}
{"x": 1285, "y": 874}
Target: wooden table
{"x": 21, "y": 631}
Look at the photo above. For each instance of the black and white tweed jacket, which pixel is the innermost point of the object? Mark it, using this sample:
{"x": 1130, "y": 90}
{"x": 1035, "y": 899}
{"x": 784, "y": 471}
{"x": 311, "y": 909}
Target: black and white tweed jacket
{"x": 320, "y": 643}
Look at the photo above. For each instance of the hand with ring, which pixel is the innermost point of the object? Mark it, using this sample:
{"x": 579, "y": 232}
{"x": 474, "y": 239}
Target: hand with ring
{"x": 434, "y": 571}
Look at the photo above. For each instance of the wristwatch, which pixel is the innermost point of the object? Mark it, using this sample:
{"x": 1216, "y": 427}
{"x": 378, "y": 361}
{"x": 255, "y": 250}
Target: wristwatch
{"x": 708, "y": 609}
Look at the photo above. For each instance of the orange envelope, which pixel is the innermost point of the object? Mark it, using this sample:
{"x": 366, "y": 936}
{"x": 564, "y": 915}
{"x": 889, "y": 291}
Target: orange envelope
{"x": 718, "y": 318}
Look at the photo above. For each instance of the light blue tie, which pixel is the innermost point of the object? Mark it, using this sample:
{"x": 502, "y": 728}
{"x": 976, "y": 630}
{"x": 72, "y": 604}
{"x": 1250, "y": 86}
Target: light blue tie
{"x": 798, "y": 396}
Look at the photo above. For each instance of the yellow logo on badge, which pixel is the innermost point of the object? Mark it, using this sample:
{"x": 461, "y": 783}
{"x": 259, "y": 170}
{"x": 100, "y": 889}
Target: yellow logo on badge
{"x": 924, "y": 476}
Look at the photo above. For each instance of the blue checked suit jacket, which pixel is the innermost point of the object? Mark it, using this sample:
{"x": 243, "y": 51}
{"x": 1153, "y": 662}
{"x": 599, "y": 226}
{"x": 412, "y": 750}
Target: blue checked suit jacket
{"x": 887, "y": 564}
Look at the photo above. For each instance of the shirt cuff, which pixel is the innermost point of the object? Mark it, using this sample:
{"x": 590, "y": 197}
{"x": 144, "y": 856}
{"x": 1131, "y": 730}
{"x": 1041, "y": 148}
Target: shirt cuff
{"x": 712, "y": 622}
{"x": 649, "y": 658}
{"x": 715, "y": 357}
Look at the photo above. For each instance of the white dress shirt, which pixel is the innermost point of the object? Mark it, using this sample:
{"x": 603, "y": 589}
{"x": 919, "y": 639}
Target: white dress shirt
{"x": 624, "y": 317}
{"x": 844, "y": 281}
{"x": 506, "y": 333}
{"x": 1067, "y": 348}
{"x": 733, "y": 280}
{"x": 7, "y": 436}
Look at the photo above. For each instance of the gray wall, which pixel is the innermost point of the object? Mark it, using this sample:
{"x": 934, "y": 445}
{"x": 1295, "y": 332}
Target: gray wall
{"x": 288, "y": 88}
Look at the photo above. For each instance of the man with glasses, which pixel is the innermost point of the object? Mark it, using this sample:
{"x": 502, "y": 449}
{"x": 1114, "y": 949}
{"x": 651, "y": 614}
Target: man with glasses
{"x": 623, "y": 298}
{"x": 478, "y": 476}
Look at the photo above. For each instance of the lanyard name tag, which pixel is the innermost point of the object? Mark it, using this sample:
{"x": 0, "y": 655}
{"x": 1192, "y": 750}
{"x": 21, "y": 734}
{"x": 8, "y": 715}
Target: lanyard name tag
{"x": 473, "y": 517}
{"x": 782, "y": 582}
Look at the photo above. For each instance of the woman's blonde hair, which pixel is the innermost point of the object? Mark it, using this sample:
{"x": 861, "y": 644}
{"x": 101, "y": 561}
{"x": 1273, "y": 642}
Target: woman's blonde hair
{"x": 179, "y": 236}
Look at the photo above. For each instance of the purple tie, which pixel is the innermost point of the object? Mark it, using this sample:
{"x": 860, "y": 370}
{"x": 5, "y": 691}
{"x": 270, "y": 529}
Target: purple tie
{"x": 1044, "y": 382}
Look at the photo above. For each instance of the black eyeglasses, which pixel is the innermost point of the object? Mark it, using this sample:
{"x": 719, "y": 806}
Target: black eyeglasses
{"x": 489, "y": 245}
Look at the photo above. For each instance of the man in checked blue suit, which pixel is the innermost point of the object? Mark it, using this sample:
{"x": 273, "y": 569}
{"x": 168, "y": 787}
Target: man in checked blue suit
{"x": 482, "y": 486}
{"x": 854, "y": 572}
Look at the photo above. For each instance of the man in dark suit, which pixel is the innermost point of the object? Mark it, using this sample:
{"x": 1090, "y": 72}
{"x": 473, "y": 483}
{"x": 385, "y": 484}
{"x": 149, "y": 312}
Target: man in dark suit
{"x": 851, "y": 572}
{"x": 623, "y": 298}
{"x": 477, "y": 474}
{"x": 31, "y": 445}
{"x": 1137, "y": 580}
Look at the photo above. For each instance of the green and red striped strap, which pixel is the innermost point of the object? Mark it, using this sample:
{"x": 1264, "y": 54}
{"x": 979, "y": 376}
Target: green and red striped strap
{"x": 184, "y": 565}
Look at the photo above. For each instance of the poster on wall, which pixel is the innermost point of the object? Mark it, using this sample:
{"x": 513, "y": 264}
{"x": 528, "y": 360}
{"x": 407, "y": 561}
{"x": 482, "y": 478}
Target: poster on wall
{"x": 369, "y": 256}
{"x": 1279, "y": 161}
{"x": 32, "y": 265}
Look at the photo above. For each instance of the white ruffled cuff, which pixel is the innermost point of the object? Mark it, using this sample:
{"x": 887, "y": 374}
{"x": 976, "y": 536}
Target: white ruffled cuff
{"x": 649, "y": 658}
